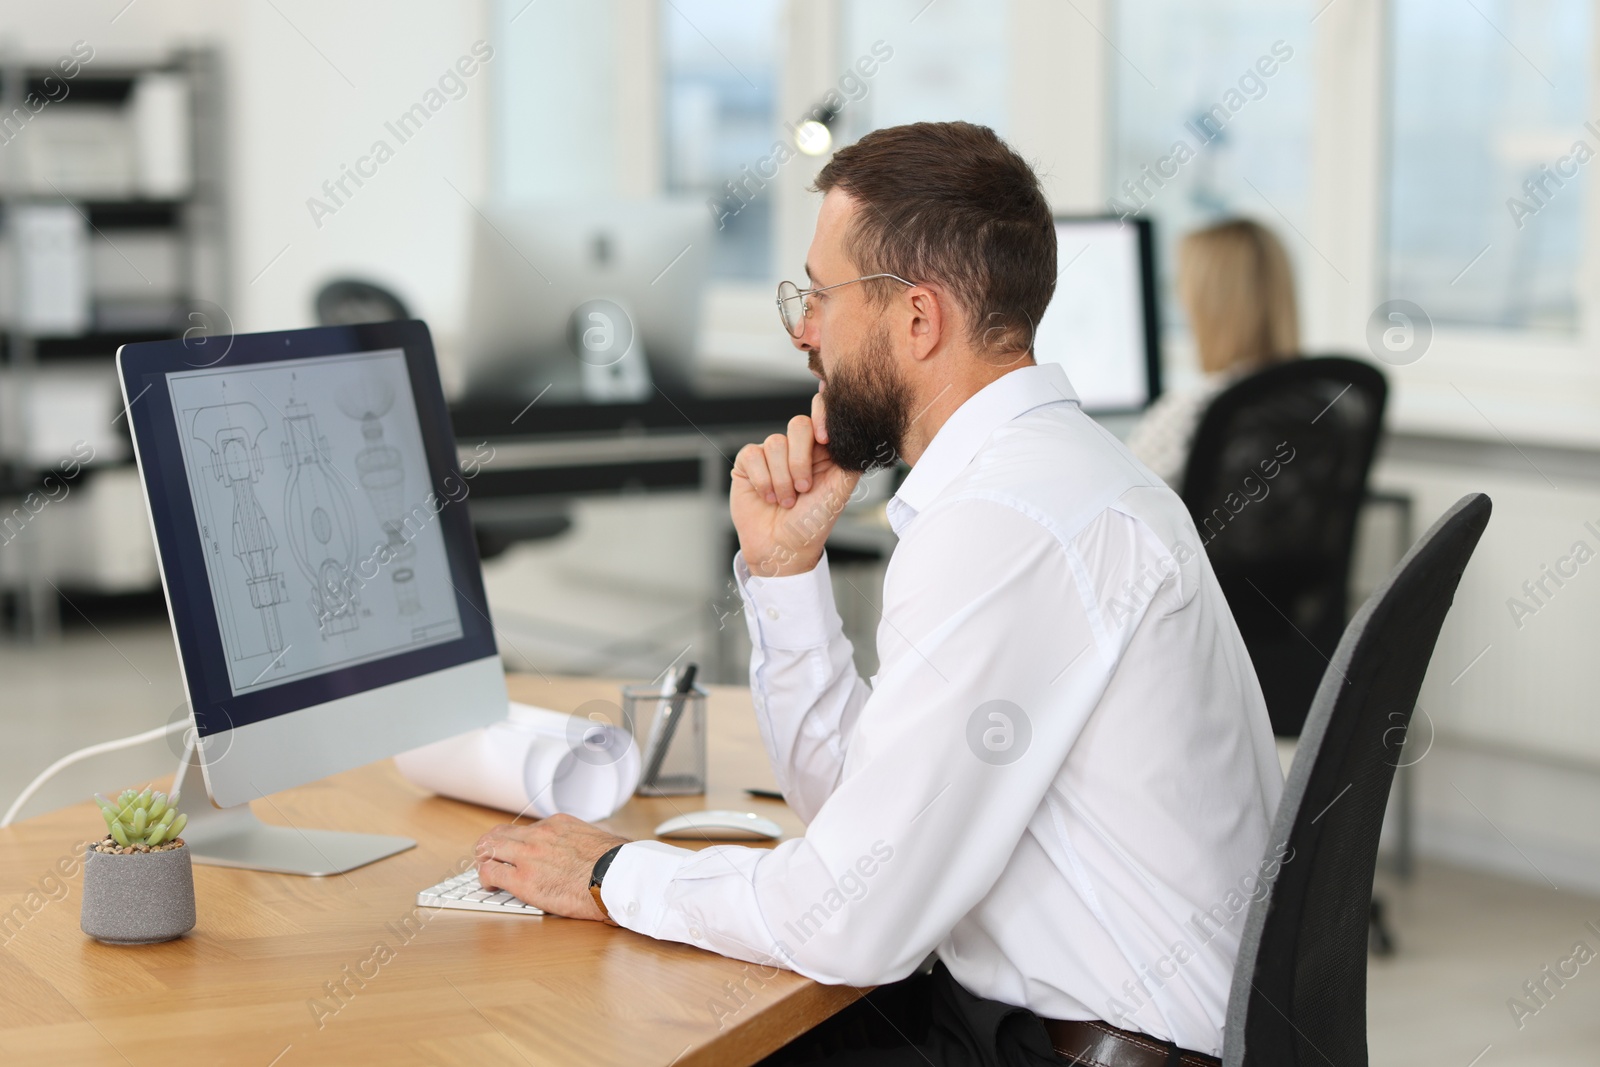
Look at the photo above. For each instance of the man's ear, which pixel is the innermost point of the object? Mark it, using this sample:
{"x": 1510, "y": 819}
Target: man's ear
{"x": 928, "y": 321}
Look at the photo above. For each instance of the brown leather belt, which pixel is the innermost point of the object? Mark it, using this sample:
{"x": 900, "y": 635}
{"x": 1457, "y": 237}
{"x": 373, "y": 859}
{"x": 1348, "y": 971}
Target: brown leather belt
{"x": 1097, "y": 1044}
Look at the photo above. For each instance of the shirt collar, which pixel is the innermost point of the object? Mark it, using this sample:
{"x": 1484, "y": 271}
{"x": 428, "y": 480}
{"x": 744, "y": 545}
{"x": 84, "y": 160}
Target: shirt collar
{"x": 959, "y": 439}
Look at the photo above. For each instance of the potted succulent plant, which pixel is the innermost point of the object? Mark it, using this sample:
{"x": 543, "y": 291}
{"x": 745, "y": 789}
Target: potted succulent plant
{"x": 138, "y": 885}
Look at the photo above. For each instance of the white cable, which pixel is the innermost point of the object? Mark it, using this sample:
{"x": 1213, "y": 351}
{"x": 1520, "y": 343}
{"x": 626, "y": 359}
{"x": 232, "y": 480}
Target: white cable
{"x": 85, "y": 753}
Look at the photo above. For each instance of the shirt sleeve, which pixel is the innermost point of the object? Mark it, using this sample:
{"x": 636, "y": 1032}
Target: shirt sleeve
{"x": 803, "y": 680}
{"x": 990, "y": 666}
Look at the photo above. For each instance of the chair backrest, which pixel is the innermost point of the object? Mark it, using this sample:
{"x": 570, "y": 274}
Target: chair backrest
{"x": 351, "y": 301}
{"x": 1299, "y": 992}
{"x": 1275, "y": 480}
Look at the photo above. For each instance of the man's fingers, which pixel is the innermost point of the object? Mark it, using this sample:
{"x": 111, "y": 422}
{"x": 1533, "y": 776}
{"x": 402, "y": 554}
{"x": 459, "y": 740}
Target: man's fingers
{"x": 492, "y": 874}
{"x": 819, "y": 420}
{"x": 800, "y": 441}
{"x": 777, "y": 450}
{"x": 507, "y": 850}
{"x": 752, "y": 463}
{"x": 783, "y": 466}
{"x": 495, "y": 835}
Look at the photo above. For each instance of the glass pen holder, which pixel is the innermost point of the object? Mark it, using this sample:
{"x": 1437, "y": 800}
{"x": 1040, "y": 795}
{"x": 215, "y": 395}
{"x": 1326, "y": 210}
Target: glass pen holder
{"x": 671, "y": 734}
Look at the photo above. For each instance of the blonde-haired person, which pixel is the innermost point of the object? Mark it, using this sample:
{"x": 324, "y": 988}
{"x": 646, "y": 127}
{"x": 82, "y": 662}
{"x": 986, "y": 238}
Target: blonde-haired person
{"x": 1237, "y": 289}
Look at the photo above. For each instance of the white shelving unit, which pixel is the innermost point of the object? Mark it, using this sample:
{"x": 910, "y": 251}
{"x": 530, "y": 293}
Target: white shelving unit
{"x": 112, "y": 229}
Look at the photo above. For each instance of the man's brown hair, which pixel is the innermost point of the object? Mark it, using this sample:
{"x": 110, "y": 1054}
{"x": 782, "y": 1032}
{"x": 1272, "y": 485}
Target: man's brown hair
{"x": 950, "y": 203}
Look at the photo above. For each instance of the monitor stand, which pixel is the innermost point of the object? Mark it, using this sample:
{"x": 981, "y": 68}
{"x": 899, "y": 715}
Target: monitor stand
{"x": 234, "y": 837}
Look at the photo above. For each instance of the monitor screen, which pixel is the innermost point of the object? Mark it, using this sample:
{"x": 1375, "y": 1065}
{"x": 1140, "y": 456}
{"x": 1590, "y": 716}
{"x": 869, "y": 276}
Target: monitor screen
{"x": 305, "y": 477}
{"x": 309, "y": 507}
{"x": 1101, "y": 324}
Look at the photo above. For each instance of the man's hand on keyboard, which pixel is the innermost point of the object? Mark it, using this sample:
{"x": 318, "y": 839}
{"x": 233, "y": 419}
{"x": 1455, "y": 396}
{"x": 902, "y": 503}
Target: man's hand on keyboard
{"x": 547, "y": 863}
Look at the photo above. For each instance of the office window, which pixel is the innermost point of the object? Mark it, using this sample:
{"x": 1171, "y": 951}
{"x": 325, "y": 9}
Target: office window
{"x": 933, "y": 62}
{"x": 1488, "y": 153}
{"x": 721, "y": 66}
{"x": 1212, "y": 116}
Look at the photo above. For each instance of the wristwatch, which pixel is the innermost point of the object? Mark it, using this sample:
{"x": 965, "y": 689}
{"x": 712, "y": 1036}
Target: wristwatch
{"x": 598, "y": 875}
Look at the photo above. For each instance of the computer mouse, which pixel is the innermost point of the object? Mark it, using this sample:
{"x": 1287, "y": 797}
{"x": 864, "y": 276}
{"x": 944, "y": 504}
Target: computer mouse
{"x": 720, "y": 825}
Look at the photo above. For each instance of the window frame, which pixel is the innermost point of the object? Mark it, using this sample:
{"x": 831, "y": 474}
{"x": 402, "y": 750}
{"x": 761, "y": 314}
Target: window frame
{"x": 1477, "y": 383}
{"x": 1474, "y": 382}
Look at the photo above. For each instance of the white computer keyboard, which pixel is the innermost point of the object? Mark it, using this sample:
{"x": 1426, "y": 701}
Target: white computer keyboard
{"x": 464, "y": 892}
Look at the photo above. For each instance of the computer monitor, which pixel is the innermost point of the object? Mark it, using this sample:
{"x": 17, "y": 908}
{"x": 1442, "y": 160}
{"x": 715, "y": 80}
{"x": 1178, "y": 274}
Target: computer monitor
{"x": 595, "y": 301}
{"x": 1102, "y": 325}
{"x": 309, "y": 515}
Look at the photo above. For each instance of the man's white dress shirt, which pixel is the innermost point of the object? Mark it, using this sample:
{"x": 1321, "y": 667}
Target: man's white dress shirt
{"x": 1061, "y": 778}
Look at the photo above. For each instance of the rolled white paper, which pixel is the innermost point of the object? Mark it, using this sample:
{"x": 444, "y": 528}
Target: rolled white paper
{"x": 538, "y": 762}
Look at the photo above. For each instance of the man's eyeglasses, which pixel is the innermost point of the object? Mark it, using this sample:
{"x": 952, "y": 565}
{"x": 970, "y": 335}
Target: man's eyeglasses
{"x": 793, "y": 302}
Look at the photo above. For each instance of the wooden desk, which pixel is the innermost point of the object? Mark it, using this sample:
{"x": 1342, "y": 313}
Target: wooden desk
{"x": 465, "y": 988}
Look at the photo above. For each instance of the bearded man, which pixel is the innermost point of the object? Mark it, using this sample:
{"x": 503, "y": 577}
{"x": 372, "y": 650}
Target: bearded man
{"x": 1063, "y": 769}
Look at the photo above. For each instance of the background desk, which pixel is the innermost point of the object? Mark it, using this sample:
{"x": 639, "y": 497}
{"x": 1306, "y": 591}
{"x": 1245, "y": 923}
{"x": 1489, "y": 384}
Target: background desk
{"x": 466, "y": 988}
{"x": 539, "y": 455}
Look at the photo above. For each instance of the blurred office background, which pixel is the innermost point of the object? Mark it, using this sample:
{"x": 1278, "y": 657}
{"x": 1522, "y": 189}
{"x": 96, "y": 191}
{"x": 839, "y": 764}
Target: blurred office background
{"x": 194, "y": 173}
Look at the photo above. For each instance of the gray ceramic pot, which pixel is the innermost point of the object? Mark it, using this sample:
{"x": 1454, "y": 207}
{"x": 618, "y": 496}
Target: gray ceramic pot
{"x": 139, "y": 898}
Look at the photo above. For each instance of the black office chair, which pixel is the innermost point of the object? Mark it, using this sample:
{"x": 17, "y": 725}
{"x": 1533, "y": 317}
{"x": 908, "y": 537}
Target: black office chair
{"x": 350, "y": 301}
{"x": 1299, "y": 992}
{"x": 496, "y": 535}
{"x": 1275, "y": 481}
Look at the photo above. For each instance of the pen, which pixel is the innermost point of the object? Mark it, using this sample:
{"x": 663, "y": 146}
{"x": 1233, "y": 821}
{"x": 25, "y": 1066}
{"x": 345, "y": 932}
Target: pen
{"x": 669, "y": 685}
{"x": 669, "y": 723}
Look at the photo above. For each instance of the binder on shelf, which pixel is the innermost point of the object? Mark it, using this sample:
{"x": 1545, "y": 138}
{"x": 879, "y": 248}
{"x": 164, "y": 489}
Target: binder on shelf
{"x": 52, "y": 242}
{"x": 159, "y": 109}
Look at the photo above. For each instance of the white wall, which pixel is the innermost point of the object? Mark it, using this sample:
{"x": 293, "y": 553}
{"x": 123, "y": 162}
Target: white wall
{"x": 149, "y": 26}
{"x": 1511, "y": 781}
{"x": 300, "y": 115}
{"x": 1059, "y": 91}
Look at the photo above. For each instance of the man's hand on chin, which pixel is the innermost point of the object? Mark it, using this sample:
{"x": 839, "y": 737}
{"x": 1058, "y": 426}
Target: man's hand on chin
{"x": 547, "y": 863}
{"x": 786, "y": 494}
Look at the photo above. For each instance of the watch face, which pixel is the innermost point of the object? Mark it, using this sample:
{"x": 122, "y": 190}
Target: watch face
{"x": 602, "y": 865}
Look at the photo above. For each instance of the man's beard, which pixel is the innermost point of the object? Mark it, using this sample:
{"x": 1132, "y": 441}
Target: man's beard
{"x": 868, "y": 407}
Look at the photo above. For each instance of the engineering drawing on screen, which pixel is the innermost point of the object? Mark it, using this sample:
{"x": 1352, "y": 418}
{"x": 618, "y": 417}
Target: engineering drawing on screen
{"x": 322, "y": 457}
{"x": 321, "y": 523}
{"x": 381, "y": 471}
{"x": 231, "y": 432}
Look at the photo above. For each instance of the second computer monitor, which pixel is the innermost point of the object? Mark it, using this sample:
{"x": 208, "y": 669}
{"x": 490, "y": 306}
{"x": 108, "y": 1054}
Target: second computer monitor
{"x": 1102, "y": 324}
{"x": 596, "y": 300}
